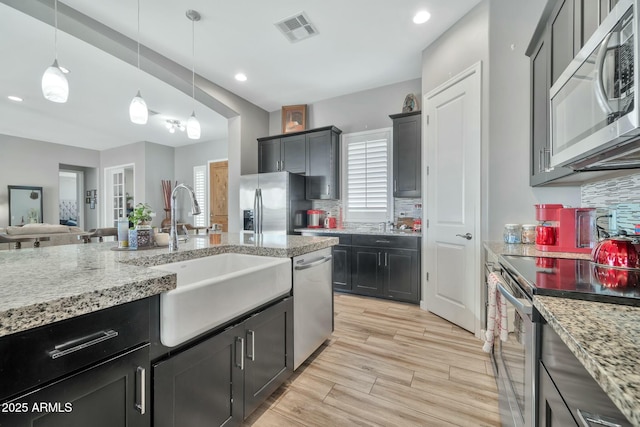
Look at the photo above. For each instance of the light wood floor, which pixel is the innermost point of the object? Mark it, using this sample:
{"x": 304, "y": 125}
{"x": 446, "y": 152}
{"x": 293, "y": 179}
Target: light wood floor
{"x": 388, "y": 364}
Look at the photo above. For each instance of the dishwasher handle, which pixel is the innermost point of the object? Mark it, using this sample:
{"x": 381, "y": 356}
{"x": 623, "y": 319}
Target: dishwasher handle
{"x": 313, "y": 263}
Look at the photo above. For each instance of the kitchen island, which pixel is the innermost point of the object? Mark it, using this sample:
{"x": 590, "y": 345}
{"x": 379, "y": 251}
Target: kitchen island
{"x": 605, "y": 338}
{"x": 40, "y": 286}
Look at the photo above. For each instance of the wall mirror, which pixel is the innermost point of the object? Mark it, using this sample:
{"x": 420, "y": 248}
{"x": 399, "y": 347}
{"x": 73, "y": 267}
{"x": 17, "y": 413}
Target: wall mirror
{"x": 25, "y": 204}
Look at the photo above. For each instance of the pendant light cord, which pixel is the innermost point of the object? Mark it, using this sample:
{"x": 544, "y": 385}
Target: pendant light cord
{"x": 55, "y": 32}
{"x": 193, "y": 63}
{"x": 138, "y": 35}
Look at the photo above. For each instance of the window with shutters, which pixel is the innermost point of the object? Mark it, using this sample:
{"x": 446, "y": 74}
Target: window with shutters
{"x": 367, "y": 195}
{"x": 200, "y": 188}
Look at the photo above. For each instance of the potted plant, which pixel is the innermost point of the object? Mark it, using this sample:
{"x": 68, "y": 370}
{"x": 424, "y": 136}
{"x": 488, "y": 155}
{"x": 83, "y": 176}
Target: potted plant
{"x": 141, "y": 215}
{"x": 141, "y": 234}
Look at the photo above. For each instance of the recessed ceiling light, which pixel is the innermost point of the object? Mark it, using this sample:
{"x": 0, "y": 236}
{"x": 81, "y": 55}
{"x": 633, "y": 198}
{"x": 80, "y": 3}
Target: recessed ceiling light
{"x": 15, "y": 98}
{"x": 421, "y": 17}
{"x": 241, "y": 77}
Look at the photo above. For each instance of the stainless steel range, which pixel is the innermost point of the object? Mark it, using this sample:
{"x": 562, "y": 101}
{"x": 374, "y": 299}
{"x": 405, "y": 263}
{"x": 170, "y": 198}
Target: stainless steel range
{"x": 515, "y": 360}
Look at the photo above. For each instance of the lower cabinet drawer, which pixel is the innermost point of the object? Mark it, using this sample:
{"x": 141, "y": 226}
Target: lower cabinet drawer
{"x": 385, "y": 241}
{"x": 31, "y": 358}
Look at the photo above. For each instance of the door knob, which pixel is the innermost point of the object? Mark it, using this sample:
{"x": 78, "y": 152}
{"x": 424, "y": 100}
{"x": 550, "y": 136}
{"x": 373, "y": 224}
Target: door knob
{"x": 467, "y": 236}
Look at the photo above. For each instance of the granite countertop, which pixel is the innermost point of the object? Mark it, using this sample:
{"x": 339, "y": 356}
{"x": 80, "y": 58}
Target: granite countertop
{"x": 501, "y": 248}
{"x": 44, "y": 285}
{"x": 404, "y": 233}
{"x": 605, "y": 338}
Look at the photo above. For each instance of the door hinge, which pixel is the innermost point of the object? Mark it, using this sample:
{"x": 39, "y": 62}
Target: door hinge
{"x": 427, "y": 119}
{"x": 427, "y": 276}
{"x": 427, "y": 223}
{"x": 427, "y": 170}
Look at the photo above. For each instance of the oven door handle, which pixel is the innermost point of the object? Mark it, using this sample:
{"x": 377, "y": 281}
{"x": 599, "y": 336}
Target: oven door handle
{"x": 521, "y": 305}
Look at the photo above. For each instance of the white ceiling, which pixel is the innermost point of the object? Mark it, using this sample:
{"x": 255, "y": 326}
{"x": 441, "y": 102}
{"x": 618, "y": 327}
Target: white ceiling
{"x": 362, "y": 44}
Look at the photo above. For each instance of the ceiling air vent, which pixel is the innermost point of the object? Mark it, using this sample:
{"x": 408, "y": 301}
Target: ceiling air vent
{"x": 297, "y": 27}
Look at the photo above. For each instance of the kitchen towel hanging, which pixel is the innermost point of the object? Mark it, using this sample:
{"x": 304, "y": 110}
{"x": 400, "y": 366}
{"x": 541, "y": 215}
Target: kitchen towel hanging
{"x": 496, "y": 314}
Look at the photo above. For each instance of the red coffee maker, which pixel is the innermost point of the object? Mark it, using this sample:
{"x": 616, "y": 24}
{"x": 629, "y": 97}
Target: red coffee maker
{"x": 563, "y": 229}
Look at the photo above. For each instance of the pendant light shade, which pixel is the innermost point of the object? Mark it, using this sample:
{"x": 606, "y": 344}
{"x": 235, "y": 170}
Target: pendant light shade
{"x": 138, "y": 112}
{"x": 55, "y": 86}
{"x": 193, "y": 127}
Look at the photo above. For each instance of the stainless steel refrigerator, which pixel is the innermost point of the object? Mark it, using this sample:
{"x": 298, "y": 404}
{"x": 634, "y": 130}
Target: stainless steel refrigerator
{"x": 273, "y": 203}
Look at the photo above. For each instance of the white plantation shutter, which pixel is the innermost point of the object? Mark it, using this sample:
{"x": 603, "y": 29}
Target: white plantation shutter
{"x": 368, "y": 198}
{"x": 200, "y": 188}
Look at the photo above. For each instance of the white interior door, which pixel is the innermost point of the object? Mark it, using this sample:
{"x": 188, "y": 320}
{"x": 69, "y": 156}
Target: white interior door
{"x": 452, "y": 154}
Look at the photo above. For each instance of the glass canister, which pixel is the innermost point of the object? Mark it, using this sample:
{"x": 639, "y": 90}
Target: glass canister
{"x": 528, "y": 234}
{"x": 512, "y": 233}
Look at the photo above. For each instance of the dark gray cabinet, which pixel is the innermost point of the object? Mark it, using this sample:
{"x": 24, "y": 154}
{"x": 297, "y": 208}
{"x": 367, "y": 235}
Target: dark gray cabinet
{"x": 407, "y": 137}
{"x": 564, "y": 28}
{"x": 567, "y": 390}
{"x": 225, "y": 377}
{"x": 552, "y": 411}
{"x": 386, "y": 266}
{"x": 323, "y": 165}
{"x": 103, "y": 396}
{"x": 314, "y": 153}
{"x": 287, "y": 153}
{"x": 88, "y": 370}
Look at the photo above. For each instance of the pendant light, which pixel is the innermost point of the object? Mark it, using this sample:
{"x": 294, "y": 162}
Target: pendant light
{"x": 193, "y": 125}
{"x": 55, "y": 86}
{"x": 138, "y": 112}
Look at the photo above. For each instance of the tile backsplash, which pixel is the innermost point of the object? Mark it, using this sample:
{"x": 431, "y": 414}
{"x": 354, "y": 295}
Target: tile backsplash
{"x": 619, "y": 197}
{"x": 403, "y": 207}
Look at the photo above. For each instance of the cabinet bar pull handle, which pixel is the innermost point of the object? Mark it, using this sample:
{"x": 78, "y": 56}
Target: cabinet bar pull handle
{"x": 379, "y": 253}
{"x": 383, "y": 241}
{"x": 81, "y": 343}
{"x": 141, "y": 405}
{"x": 395, "y": 185}
{"x": 251, "y": 356}
{"x": 328, "y": 190}
{"x": 590, "y": 420}
{"x": 241, "y": 342}
{"x": 386, "y": 259}
{"x": 540, "y": 159}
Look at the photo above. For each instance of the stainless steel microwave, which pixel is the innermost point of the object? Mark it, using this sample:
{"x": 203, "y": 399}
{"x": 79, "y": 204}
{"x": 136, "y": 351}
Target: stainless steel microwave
{"x": 595, "y": 117}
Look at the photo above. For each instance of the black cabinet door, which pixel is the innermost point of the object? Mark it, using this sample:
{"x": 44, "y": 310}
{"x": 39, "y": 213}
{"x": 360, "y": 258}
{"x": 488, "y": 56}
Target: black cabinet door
{"x": 341, "y": 273}
{"x": 294, "y": 154}
{"x": 540, "y": 143}
{"x": 402, "y": 270}
{"x": 322, "y": 165}
{"x": 552, "y": 410}
{"x": 114, "y": 393}
{"x": 562, "y": 38}
{"x": 269, "y": 156}
{"x": 367, "y": 270}
{"x": 268, "y": 353}
{"x": 201, "y": 386}
{"x": 406, "y": 154}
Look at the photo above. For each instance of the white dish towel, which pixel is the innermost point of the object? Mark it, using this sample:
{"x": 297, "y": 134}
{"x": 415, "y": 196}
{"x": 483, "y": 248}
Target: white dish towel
{"x": 496, "y": 314}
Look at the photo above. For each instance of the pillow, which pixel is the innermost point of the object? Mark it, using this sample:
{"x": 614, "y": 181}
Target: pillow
{"x": 37, "y": 229}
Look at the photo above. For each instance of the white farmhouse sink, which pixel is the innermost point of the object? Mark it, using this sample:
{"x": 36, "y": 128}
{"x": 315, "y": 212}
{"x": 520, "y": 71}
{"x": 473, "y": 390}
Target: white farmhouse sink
{"x": 213, "y": 290}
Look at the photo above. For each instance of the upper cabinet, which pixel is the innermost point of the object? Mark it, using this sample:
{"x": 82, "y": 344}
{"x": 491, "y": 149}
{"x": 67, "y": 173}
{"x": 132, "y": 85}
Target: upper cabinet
{"x": 286, "y": 153}
{"x": 407, "y": 135}
{"x": 564, "y": 28}
{"x": 314, "y": 153}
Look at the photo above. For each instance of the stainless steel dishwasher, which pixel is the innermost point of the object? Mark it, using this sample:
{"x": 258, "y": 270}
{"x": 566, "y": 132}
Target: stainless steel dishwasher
{"x": 312, "y": 303}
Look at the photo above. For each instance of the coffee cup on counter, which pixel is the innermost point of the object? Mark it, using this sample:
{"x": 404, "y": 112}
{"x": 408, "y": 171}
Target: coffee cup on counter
{"x": 329, "y": 222}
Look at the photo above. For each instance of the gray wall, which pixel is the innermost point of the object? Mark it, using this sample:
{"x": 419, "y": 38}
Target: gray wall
{"x": 510, "y": 197}
{"x": 30, "y": 162}
{"x": 369, "y": 109}
{"x": 195, "y": 155}
{"x": 159, "y": 165}
{"x": 463, "y": 45}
